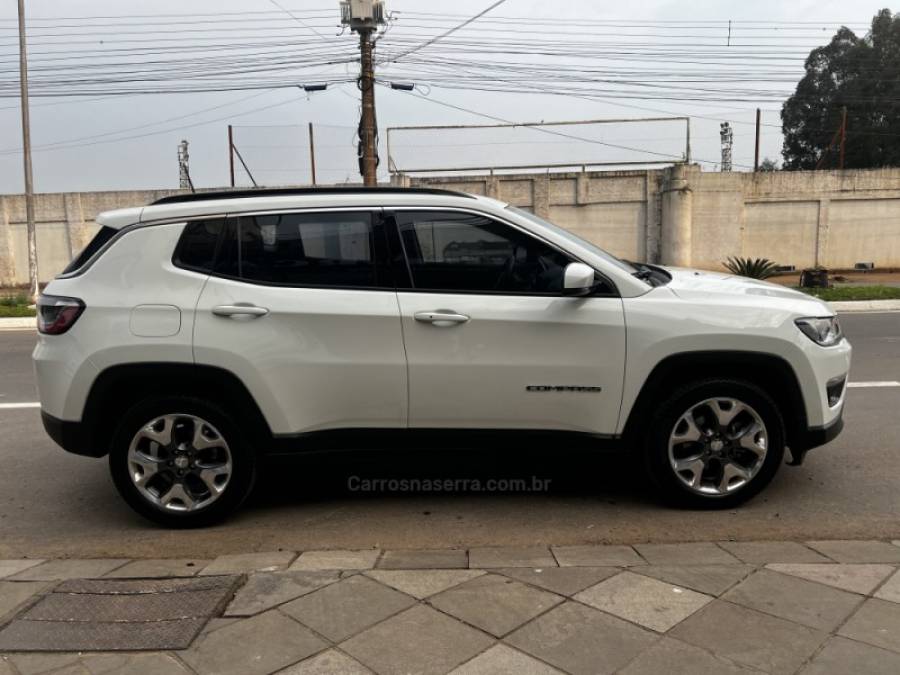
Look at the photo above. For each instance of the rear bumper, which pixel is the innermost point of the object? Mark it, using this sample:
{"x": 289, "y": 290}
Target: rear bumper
{"x": 70, "y": 436}
{"x": 813, "y": 437}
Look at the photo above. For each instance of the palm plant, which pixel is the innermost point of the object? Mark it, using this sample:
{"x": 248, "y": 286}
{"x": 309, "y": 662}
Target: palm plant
{"x": 755, "y": 268}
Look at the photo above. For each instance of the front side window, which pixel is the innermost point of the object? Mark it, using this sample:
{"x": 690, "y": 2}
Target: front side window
{"x": 305, "y": 249}
{"x": 450, "y": 251}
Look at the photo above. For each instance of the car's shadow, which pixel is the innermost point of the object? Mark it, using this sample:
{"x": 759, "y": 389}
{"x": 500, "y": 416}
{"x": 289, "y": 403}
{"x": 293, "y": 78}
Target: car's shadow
{"x": 362, "y": 474}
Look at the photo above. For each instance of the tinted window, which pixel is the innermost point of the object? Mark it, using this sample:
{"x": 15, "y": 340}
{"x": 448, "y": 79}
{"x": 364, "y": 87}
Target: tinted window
{"x": 324, "y": 249}
{"x": 462, "y": 252}
{"x": 197, "y": 248}
{"x": 99, "y": 240}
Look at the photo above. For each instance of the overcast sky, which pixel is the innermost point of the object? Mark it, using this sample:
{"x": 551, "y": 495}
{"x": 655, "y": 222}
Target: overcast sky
{"x": 108, "y": 156}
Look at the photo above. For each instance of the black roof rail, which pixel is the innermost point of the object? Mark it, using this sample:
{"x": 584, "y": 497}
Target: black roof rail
{"x": 290, "y": 192}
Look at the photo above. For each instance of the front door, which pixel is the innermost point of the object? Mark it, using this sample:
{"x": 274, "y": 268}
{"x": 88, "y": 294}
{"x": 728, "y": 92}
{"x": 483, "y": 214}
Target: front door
{"x": 491, "y": 340}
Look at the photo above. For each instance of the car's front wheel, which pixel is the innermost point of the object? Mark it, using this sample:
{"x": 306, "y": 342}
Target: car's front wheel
{"x": 715, "y": 443}
{"x": 181, "y": 461}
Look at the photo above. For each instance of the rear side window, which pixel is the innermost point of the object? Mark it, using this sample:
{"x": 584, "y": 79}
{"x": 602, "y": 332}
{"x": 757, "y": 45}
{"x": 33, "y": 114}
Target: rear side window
{"x": 335, "y": 250}
{"x": 99, "y": 241}
{"x": 199, "y": 244}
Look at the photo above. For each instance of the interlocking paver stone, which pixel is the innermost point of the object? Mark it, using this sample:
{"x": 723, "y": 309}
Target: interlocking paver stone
{"x": 14, "y": 595}
{"x": 133, "y": 664}
{"x": 866, "y": 551}
{"x": 762, "y": 552}
{"x": 856, "y": 578}
{"x": 253, "y": 646}
{"x": 794, "y": 599}
{"x": 749, "y": 637}
{"x": 597, "y": 556}
{"x": 242, "y": 563}
{"x": 674, "y": 657}
{"x": 266, "y": 590}
{"x": 649, "y": 602}
{"x": 876, "y": 623}
{"x": 529, "y": 556}
{"x": 562, "y": 580}
{"x": 347, "y": 607}
{"x": 336, "y": 560}
{"x": 700, "y": 553}
{"x": 890, "y": 590}
{"x": 419, "y": 640}
{"x": 10, "y": 567}
{"x": 709, "y": 579}
{"x": 330, "y": 662}
{"x": 495, "y": 603}
{"x": 146, "y": 569}
{"x": 423, "y": 583}
{"x": 442, "y": 559}
{"x": 56, "y": 570}
{"x": 503, "y": 659}
{"x": 579, "y": 639}
{"x": 32, "y": 664}
{"x": 840, "y": 656}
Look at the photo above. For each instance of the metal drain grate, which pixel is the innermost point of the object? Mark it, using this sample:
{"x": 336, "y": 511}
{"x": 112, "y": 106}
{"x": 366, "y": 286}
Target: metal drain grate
{"x": 119, "y": 615}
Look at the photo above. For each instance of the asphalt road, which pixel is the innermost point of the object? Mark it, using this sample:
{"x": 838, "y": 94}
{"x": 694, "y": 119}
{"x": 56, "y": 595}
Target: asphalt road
{"x": 56, "y": 504}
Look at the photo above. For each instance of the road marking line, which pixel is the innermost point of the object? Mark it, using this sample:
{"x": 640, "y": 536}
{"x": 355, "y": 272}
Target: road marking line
{"x": 19, "y": 406}
{"x": 861, "y": 385}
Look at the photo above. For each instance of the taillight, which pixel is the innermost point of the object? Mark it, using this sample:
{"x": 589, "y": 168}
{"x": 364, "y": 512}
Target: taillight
{"x": 56, "y": 315}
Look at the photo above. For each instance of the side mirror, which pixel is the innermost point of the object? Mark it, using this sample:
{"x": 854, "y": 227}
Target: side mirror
{"x": 578, "y": 279}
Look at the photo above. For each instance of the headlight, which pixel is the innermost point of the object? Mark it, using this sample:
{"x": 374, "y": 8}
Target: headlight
{"x": 825, "y": 331}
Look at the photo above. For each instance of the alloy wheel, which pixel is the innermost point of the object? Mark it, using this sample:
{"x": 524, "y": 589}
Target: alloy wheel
{"x": 179, "y": 462}
{"x": 718, "y": 446}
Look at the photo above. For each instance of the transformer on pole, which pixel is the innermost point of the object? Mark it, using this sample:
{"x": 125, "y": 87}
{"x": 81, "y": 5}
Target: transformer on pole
{"x": 364, "y": 17}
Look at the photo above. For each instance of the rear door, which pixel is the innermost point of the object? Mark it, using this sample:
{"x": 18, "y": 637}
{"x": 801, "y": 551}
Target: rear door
{"x": 302, "y": 308}
{"x": 491, "y": 340}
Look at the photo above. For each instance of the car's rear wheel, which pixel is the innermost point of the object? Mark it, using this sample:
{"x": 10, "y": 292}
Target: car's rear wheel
{"x": 715, "y": 443}
{"x": 181, "y": 461}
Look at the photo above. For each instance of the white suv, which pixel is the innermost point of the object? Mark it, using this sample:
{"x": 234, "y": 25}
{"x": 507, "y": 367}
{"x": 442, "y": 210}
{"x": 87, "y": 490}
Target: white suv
{"x": 197, "y": 333}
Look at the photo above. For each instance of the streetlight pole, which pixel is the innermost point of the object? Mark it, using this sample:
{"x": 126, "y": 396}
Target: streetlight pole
{"x": 26, "y": 147}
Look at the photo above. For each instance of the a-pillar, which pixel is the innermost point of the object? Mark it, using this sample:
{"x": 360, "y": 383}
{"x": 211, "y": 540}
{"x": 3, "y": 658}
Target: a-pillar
{"x": 677, "y": 218}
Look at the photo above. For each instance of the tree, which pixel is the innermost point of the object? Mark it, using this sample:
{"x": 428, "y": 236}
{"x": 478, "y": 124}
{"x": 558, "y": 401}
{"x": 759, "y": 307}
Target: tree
{"x": 768, "y": 165}
{"x": 862, "y": 74}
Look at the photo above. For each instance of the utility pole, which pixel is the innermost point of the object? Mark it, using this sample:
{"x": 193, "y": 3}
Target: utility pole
{"x": 312, "y": 154}
{"x": 231, "y": 153}
{"x": 184, "y": 172}
{"x": 756, "y": 154}
{"x": 727, "y": 136}
{"x": 26, "y": 147}
{"x": 364, "y": 17}
{"x": 843, "y": 136}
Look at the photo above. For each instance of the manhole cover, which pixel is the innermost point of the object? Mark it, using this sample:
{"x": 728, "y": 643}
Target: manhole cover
{"x": 119, "y": 615}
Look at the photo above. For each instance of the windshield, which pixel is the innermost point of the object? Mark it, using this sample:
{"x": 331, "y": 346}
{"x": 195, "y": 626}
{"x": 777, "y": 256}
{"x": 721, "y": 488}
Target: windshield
{"x": 596, "y": 250}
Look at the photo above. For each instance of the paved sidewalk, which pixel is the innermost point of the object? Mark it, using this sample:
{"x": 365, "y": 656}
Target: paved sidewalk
{"x": 719, "y": 608}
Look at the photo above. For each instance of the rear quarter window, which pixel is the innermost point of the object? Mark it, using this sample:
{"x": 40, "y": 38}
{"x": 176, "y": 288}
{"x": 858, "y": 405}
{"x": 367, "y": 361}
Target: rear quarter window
{"x": 199, "y": 245}
{"x": 104, "y": 235}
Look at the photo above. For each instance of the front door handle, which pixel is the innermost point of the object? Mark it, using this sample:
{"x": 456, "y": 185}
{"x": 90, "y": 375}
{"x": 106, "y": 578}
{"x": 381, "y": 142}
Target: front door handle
{"x": 440, "y": 316}
{"x": 239, "y": 310}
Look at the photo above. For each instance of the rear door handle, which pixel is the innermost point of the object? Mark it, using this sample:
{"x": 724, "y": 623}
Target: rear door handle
{"x": 239, "y": 310}
{"x": 440, "y": 316}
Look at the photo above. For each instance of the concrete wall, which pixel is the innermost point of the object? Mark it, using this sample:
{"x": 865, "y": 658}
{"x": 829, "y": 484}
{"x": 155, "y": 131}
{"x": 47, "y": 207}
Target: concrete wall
{"x": 678, "y": 215}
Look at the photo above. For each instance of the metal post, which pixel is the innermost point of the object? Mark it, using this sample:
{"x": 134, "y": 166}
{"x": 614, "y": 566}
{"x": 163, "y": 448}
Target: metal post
{"x": 312, "y": 154}
{"x": 26, "y": 147}
{"x": 756, "y": 154}
{"x": 843, "y": 136}
{"x": 231, "y": 153}
{"x": 367, "y": 123}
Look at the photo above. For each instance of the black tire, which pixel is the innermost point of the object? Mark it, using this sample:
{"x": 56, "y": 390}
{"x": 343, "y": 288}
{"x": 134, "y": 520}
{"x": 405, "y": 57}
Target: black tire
{"x": 666, "y": 416}
{"x": 243, "y": 460}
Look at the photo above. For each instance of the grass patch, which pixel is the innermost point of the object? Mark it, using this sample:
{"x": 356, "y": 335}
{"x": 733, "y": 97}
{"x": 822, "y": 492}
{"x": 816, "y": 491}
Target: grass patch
{"x": 8, "y": 311}
{"x": 843, "y": 293}
{"x": 14, "y": 300}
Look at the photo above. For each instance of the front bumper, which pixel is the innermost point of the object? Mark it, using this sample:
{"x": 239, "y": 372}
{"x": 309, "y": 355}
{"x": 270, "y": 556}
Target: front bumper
{"x": 70, "y": 436}
{"x": 813, "y": 437}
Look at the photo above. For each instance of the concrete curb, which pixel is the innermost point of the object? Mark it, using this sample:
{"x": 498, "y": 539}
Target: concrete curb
{"x": 18, "y": 323}
{"x": 848, "y": 307}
